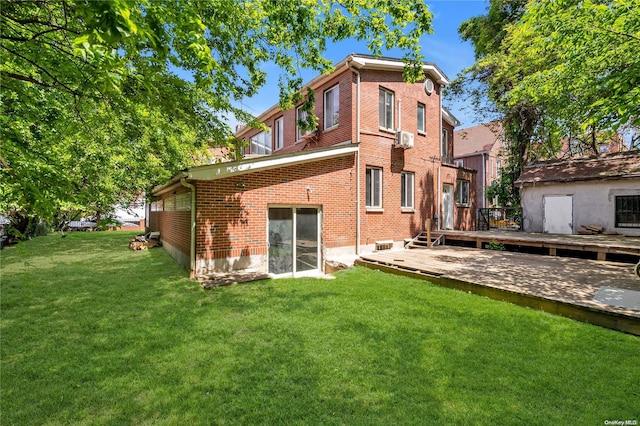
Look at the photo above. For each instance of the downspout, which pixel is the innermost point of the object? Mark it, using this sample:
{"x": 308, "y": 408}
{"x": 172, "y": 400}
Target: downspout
{"x": 484, "y": 182}
{"x": 439, "y": 199}
{"x": 192, "y": 249}
{"x": 357, "y": 156}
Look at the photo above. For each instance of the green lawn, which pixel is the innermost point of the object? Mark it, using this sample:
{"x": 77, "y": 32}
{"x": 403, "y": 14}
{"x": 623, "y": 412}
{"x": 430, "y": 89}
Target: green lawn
{"x": 94, "y": 333}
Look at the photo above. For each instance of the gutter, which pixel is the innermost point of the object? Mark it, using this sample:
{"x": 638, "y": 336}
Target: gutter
{"x": 348, "y": 62}
{"x": 170, "y": 185}
{"x": 192, "y": 248}
{"x": 471, "y": 154}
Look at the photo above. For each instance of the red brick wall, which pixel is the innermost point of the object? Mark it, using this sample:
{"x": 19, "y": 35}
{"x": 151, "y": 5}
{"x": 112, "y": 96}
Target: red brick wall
{"x": 377, "y": 151}
{"x": 340, "y": 133}
{"x": 174, "y": 226}
{"x": 232, "y": 220}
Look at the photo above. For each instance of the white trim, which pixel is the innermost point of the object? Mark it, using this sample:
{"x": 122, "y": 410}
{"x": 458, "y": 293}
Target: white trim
{"x": 223, "y": 170}
{"x": 396, "y": 65}
{"x": 471, "y": 154}
{"x": 278, "y": 131}
{"x": 448, "y": 117}
{"x": 336, "y": 106}
{"x": 374, "y": 207}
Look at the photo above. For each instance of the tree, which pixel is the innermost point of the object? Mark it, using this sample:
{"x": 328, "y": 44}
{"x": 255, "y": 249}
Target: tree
{"x": 101, "y": 99}
{"x": 558, "y": 72}
{"x": 481, "y": 87}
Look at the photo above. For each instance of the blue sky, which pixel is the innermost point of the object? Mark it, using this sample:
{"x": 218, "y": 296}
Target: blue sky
{"x": 443, "y": 47}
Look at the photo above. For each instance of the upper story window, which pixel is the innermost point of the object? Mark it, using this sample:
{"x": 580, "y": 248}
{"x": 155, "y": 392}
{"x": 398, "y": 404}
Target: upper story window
{"x": 444, "y": 146}
{"x": 331, "y": 107}
{"x": 374, "y": 188}
{"x": 406, "y": 186}
{"x": 421, "y": 118}
{"x": 458, "y": 163}
{"x": 301, "y": 116}
{"x": 278, "y": 138}
{"x": 462, "y": 192}
{"x": 260, "y": 143}
{"x": 386, "y": 103}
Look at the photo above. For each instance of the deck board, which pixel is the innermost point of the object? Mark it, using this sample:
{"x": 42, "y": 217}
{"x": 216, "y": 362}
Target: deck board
{"x": 568, "y": 281}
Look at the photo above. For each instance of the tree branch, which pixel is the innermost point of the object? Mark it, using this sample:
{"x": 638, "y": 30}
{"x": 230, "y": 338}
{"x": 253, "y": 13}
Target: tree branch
{"x": 54, "y": 78}
{"x": 24, "y": 78}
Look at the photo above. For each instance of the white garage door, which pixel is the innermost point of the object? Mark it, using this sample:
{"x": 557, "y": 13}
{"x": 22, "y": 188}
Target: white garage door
{"x": 558, "y": 214}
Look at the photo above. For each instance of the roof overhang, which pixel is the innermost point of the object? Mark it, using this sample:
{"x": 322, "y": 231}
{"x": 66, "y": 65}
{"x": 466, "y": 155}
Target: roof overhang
{"x": 238, "y": 168}
{"x": 471, "y": 154}
{"x": 371, "y": 62}
{"x": 449, "y": 117}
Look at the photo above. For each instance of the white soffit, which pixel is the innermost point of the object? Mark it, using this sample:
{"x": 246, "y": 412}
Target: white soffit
{"x": 396, "y": 65}
{"x": 220, "y": 171}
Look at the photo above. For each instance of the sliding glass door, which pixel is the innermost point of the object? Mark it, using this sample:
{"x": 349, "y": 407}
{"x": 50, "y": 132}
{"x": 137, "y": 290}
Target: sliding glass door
{"x": 294, "y": 240}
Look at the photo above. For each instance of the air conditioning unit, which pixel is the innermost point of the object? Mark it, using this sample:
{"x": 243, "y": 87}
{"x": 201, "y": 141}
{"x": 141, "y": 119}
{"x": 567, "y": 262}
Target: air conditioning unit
{"x": 404, "y": 139}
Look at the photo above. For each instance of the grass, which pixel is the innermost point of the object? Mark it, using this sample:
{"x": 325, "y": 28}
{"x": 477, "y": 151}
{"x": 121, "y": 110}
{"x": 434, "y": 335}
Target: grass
{"x": 93, "y": 333}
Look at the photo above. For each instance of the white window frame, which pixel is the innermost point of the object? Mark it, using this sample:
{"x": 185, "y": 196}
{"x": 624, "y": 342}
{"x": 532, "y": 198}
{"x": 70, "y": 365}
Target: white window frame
{"x": 444, "y": 145}
{"x": 374, "y": 200}
{"x": 407, "y": 188}
{"x": 278, "y": 133}
{"x": 458, "y": 163}
{"x": 261, "y": 142}
{"x": 421, "y": 122}
{"x": 386, "y": 104}
{"x": 461, "y": 193}
{"x": 332, "y": 107}
{"x": 301, "y": 116}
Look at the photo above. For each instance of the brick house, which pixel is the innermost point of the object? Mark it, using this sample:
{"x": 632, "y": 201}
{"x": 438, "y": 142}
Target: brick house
{"x": 479, "y": 148}
{"x": 371, "y": 174}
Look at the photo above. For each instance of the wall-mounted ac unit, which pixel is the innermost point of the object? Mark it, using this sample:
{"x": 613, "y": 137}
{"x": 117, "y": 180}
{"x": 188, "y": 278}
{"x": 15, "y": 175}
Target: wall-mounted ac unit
{"x": 404, "y": 139}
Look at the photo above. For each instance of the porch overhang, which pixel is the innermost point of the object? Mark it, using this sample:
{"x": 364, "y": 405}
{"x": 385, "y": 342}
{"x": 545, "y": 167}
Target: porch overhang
{"x": 238, "y": 168}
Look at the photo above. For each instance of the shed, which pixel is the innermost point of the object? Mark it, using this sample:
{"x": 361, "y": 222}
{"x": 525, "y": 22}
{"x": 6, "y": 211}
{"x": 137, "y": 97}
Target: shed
{"x": 561, "y": 196}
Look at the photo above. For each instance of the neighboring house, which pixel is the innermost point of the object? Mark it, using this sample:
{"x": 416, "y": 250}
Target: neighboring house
{"x": 368, "y": 178}
{"x": 131, "y": 217}
{"x": 478, "y": 148}
{"x": 562, "y": 196}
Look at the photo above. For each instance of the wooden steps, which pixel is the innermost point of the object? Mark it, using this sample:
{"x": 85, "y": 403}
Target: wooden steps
{"x": 421, "y": 241}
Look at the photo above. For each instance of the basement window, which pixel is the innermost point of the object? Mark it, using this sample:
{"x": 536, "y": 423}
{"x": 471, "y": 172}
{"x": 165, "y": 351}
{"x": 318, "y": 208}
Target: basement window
{"x": 628, "y": 211}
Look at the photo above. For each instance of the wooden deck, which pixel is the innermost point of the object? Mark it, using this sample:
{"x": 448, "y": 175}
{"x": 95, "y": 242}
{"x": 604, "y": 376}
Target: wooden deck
{"x": 603, "y": 247}
{"x": 560, "y": 285}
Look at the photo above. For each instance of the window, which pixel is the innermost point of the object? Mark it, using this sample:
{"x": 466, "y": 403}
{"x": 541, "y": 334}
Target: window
{"x": 279, "y": 133}
{"x": 374, "y": 188}
{"x": 183, "y": 201}
{"x": 260, "y": 143}
{"x": 406, "y": 186}
{"x": 628, "y": 211}
{"x": 386, "y": 109}
{"x": 331, "y": 107}
{"x": 421, "y": 117}
{"x": 301, "y": 116}
{"x": 462, "y": 192}
{"x": 458, "y": 163}
{"x": 444, "y": 146}
{"x": 170, "y": 203}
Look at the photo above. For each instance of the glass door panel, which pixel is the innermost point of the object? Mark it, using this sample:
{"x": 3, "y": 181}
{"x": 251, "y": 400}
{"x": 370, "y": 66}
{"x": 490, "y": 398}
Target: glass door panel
{"x": 306, "y": 239}
{"x": 280, "y": 240}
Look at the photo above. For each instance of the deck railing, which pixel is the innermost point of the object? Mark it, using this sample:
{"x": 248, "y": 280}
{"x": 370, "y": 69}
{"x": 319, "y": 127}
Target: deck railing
{"x": 507, "y": 218}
